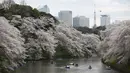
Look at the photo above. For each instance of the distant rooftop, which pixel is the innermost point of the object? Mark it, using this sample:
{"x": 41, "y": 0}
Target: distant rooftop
{"x": 65, "y": 11}
{"x": 105, "y": 15}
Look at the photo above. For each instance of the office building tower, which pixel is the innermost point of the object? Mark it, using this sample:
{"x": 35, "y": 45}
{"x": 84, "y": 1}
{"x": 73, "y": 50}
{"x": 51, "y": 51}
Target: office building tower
{"x": 80, "y": 21}
{"x": 66, "y": 17}
{"x": 105, "y": 20}
{"x": 45, "y": 9}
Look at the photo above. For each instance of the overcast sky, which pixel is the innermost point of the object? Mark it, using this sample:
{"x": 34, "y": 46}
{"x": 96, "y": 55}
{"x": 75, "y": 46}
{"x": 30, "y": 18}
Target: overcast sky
{"x": 117, "y": 9}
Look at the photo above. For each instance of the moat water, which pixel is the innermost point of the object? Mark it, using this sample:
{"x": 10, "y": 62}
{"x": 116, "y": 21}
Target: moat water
{"x": 58, "y": 66}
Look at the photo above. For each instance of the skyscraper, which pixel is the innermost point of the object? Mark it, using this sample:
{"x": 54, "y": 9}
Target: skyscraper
{"x": 80, "y": 21}
{"x": 84, "y": 22}
{"x": 45, "y": 9}
{"x": 66, "y": 17}
{"x": 105, "y": 20}
{"x": 76, "y": 22}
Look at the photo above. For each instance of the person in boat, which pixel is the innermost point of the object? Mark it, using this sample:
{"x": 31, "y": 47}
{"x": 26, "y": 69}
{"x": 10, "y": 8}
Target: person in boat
{"x": 76, "y": 65}
{"x": 90, "y": 67}
{"x": 71, "y": 63}
{"x": 108, "y": 67}
{"x": 68, "y": 67}
{"x": 52, "y": 62}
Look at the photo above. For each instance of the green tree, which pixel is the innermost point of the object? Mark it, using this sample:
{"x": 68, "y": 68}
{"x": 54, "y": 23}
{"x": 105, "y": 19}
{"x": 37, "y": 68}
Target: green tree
{"x": 35, "y": 13}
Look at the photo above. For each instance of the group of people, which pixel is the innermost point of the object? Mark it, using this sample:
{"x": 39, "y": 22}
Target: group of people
{"x": 68, "y": 66}
{"x": 76, "y": 65}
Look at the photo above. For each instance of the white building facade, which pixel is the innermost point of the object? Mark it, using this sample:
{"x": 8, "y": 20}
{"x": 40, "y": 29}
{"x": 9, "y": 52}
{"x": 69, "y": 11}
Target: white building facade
{"x": 80, "y": 21}
{"x": 45, "y": 9}
{"x": 105, "y": 20}
{"x": 65, "y": 17}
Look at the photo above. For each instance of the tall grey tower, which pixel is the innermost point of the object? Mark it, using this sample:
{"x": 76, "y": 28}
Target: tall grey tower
{"x": 66, "y": 17}
{"x": 95, "y": 25}
{"x": 105, "y": 20}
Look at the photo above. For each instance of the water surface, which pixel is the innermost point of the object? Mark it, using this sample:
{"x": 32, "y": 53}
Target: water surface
{"x": 59, "y": 67}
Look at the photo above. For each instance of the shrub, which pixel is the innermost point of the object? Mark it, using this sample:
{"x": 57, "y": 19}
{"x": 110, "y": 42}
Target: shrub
{"x": 96, "y": 30}
{"x": 2, "y": 68}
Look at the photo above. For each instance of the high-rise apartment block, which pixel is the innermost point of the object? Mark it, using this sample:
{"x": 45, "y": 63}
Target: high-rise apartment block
{"x": 105, "y": 20}
{"x": 80, "y": 21}
{"x": 45, "y": 9}
{"x": 66, "y": 17}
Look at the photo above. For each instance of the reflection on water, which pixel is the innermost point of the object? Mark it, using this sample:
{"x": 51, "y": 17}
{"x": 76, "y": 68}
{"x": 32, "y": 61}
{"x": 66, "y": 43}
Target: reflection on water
{"x": 59, "y": 67}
